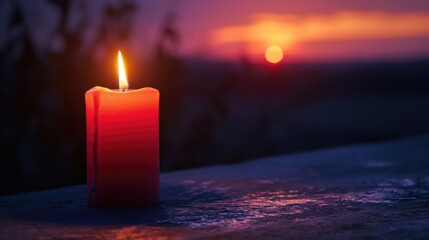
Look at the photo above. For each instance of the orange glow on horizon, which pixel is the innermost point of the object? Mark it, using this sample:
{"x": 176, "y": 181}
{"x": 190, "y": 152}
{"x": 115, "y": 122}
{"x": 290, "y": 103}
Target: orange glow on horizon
{"x": 123, "y": 83}
{"x": 291, "y": 31}
{"x": 273, "y": 54}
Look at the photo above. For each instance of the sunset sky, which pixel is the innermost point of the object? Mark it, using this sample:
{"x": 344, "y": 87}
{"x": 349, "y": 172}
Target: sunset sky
{"x": 306, "y": 30}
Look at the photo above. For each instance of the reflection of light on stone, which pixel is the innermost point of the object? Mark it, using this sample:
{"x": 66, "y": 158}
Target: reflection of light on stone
{"x": 366, "y": 197}
{"x": 155, "y": 233}
{"x": 248, "y": 208}
{"x": 240, "y": 209}
{"x": 387, "y": 192}
{"x": 237, "y": 205}
{"x": 266, "y": 181}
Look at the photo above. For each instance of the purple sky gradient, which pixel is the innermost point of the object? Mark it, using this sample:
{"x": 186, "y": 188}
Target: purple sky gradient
{"x": 197, "y": 19}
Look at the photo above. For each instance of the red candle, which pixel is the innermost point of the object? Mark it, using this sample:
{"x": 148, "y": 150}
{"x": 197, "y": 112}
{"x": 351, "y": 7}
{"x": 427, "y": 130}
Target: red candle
{"x": 122, "y": 145}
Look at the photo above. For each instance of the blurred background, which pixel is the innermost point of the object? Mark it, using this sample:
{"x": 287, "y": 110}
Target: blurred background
{"x": 239, "y": 80}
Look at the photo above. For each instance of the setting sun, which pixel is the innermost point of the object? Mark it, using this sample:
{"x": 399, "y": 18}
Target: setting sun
{"x": 273, "y": 54}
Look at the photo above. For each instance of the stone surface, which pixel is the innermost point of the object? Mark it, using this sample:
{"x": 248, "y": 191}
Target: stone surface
{"x": 372, "y": 191}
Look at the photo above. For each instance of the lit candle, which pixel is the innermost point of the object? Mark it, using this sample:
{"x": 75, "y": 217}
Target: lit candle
{"x": 122, "y": 145}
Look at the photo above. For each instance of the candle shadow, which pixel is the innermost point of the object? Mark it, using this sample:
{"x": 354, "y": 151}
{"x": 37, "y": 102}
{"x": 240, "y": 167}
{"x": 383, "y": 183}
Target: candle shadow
{"x": 68, "y": 207}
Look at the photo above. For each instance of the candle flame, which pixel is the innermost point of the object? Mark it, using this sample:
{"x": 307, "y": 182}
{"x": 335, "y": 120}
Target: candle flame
{"x": 123, "y": 83}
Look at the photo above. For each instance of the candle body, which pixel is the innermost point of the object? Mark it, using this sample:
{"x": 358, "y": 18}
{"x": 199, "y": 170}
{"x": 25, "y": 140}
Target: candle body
{"x": 122, "y": 147}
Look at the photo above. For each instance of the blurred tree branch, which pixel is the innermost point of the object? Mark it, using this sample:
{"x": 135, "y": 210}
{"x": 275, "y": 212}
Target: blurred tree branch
{"x": 43, "y": 121}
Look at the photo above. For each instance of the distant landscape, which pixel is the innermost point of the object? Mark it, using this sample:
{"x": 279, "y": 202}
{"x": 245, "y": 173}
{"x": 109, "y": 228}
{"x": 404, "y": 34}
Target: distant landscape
{"x": 240, "y": 111}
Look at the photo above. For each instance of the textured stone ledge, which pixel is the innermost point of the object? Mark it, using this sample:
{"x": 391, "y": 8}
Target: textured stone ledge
{"x": 372, "y": 191}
